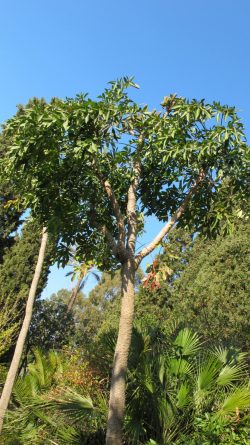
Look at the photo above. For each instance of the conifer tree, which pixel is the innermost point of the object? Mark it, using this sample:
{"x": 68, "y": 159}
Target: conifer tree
{"x": 212, "y": 294}
{"x": 10, "y": 214}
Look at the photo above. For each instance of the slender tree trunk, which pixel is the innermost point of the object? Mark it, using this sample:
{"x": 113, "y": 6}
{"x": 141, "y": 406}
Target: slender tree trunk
{"x": 75, "y": 292}
{"x": 7, "y": 390}
{"x": 118, "y": 381}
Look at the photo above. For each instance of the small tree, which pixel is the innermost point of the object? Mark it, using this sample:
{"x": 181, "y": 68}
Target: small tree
{"x": 12, "y": 373}
{"x": 16, "y": 274}
{"x": 91, "y": 171}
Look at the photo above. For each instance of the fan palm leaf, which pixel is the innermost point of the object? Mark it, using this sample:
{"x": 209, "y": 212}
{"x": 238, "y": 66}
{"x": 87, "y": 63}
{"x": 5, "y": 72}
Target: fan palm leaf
{"x": 230, "y": 374}
{"x": 239, "y": 399}
{"x": 187, "y": 342}
{"x": 72, "y": 404}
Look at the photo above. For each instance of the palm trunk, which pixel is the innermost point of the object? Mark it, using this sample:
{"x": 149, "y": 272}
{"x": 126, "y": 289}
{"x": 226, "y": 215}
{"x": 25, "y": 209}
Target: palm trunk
{"x": 75, "y": 292}
{"x": 118, "y": 381}
{"x": 7, "y": 390}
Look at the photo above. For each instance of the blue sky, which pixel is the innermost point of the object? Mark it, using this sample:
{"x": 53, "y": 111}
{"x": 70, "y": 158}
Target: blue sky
{"x": 62, "y": 47}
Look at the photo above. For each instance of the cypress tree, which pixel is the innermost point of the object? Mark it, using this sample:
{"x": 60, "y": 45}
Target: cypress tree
{"x": 212, "y": 294}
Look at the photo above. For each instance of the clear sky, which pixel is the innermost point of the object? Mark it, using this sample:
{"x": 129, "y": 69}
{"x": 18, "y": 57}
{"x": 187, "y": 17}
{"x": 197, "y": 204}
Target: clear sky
{"x": 59, "y": 48}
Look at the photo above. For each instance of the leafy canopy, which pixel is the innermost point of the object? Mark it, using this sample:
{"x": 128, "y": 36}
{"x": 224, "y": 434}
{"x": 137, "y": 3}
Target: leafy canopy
{"x": 74, "y": 161}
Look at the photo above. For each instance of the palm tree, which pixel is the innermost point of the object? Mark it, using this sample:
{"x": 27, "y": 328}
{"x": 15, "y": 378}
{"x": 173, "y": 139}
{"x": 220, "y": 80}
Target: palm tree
{"x": 81, "y": 271}
{"x": 170, "y": 384}
{"x": 173, "y": 381}
{"x": 44, "y": 411}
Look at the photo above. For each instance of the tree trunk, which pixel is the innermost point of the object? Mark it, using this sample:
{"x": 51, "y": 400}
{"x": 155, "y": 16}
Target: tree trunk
{"x": 7, "y": 390}
{"x": 118, "y": 381}
{"x": 75, "y": 292}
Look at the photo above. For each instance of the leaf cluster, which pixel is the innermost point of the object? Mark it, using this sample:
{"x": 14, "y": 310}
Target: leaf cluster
{"x": 61, "y": 153}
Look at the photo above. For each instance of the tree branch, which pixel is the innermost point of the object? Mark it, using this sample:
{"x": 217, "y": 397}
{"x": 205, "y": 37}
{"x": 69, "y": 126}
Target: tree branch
{"x": 131, "y": 207}
{"x": 176, "y": 216}
{"x": 117, "y": 211}
{"x": 115, "y": 204}
{"x": 118, "y": 250}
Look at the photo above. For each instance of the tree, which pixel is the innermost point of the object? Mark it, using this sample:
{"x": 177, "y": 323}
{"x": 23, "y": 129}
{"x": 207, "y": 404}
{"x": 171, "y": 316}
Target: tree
{"x": 10, "y": 214}
{"x": 212, "y": 294}
{"x": 51, "y": 326}
{"x": 12, "y": 373}
{"x": 16, "y": 273}
{"x": 91, "y": 170}
{"x": 82, "y": 272}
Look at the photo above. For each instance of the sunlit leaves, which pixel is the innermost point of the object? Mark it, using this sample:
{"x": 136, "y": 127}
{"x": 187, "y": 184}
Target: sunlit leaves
{"x": 187, "y": 343}
{"x": 237, "y": 399}
{"x": 58, "y": 152}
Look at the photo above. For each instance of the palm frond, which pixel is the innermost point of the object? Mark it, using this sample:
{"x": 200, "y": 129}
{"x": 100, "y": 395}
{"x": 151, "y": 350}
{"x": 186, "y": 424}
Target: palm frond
{"x": 205, "y": 381}
{"x": 179, "y": 367}
{"x": 238, "y": 399}
{"x": 69, "y": 435}
{"x": 183, "y": 396}
{"x": 187, "y": 342}
{"x": 72, "y": 404}
{"x": 96, "y": 276}
{"x": 208, "y": 373}
{"x": 228, "y": 355}
{"x": 26, "y": 389}
{"x": 230, "y": 374}
{"x": 83, "y": 283}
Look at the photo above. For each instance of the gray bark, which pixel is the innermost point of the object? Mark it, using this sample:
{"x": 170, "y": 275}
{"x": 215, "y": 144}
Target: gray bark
{"x": 11, "y": 376}
{"x": 118, "y": 381}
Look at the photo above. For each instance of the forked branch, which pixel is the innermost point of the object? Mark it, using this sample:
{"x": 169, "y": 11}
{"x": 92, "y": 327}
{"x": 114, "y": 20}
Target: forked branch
{"x": 176, "y": 216}
{"x": 118, "y": 250}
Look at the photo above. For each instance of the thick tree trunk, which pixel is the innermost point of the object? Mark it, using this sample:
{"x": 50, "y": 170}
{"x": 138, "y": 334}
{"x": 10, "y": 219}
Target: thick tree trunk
{"x": 7, "y": 390}
{"x": 118, "y": 381}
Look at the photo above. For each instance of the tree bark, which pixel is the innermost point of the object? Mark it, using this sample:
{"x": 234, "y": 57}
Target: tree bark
{"x": 8, "y": 386}
{"x": 118, "y": 381}
{"x": 120, "y": 364}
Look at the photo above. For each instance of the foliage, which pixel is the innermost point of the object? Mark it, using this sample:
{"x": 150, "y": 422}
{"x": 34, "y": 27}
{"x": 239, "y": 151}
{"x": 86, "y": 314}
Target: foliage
{"x": 171, "y": 385}
{"x": 46, "y": 405}
{"x": 171, "y": 261}
{"x": 52, "y": 326}
{"x": 217, "y": 431}
{"x": 212, "y": 294}
{"x": 60, "y": 155}
{"x": 10, "y": 212}
{"x": 177, "y": 393}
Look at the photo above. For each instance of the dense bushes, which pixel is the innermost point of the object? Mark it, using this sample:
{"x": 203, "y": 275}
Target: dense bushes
{"x": 178, "y": 393}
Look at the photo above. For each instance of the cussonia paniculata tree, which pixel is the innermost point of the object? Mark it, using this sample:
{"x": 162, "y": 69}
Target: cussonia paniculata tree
{"x": 92, "y": 170}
